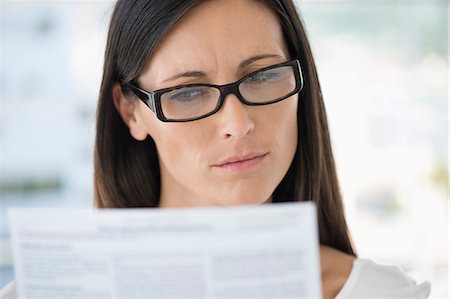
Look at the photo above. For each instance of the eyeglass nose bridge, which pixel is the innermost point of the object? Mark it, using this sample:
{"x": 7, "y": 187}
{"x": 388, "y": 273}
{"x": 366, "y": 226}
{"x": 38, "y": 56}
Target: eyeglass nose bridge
{"x": 232, "y": 88}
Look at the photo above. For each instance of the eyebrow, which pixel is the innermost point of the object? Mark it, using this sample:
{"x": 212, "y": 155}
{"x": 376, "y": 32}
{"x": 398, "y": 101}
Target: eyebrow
{"x": 201, "y": 74}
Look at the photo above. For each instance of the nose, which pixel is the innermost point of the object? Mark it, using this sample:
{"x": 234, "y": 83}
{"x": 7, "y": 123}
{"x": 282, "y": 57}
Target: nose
{"x": 234, "y": 119}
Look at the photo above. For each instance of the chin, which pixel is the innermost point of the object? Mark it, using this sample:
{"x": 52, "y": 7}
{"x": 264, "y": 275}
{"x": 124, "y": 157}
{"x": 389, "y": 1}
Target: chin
{"x": 243, "y": 193}
{"x": 244, "y": 200}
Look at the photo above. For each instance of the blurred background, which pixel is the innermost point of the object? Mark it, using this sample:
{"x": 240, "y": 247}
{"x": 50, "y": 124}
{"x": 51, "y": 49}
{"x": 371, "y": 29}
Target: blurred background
{"x": 384, "y": 72}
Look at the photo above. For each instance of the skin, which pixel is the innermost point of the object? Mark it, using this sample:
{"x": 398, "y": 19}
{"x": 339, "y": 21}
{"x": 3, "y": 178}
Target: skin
{"x": 214, "y": 41}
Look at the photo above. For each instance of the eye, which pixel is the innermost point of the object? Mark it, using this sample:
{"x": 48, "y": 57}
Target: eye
{"x": 188, "y": 94}
{"x": 263, "y": 77}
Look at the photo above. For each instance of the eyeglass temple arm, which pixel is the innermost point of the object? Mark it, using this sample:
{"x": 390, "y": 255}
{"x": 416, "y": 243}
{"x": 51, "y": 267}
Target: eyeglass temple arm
{"x": 146, "y": 97}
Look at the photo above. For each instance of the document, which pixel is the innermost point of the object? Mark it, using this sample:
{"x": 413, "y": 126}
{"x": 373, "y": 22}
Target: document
{"x": 253, "y": 251}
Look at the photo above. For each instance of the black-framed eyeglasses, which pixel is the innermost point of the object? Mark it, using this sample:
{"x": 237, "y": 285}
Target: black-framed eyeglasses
{"x": 196, "y": 101}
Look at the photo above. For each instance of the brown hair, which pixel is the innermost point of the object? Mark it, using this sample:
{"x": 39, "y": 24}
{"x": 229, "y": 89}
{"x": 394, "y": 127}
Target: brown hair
{"x": 127, "y": 172}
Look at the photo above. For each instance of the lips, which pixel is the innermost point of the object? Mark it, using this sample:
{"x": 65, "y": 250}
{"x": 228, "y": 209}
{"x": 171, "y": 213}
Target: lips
{"x": 241, "y": 162}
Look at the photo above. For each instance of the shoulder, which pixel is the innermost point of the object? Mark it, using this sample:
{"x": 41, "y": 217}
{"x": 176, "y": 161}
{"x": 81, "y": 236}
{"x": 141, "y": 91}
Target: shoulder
{"x": 369, "y": 279}
{"x": 9, "y": 291}
{"x": 335, "y": 269}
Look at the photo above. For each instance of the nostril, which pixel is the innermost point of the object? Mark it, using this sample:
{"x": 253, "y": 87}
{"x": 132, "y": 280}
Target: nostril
{"x": 235, "y": 121}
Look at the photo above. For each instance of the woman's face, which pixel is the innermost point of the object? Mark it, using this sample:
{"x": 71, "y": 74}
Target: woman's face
{"x": 214, "y": 38}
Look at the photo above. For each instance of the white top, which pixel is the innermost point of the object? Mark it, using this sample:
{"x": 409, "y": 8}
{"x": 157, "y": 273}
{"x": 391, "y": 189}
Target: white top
{"x": 369, "y": 279}
{"x": 366, "y": 280}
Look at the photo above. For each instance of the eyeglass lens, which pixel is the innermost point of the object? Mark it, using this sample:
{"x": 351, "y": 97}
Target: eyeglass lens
{"x": 262, "y": 87}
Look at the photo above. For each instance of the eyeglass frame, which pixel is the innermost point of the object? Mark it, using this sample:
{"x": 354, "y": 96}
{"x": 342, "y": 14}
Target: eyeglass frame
{"x": 153, "y": 98}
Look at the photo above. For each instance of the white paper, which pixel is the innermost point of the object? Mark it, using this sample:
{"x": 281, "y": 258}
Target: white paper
{"x": 257, "y": 251}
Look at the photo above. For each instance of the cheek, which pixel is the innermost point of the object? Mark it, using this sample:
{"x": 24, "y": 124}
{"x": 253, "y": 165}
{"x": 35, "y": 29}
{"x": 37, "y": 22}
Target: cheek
{"x": 290, "y": 137}
{"x": 292, "y": 122}
{"x": 180, "y": 145}
{"x": 285, "y": 134}
{"x": 283, "y": 124}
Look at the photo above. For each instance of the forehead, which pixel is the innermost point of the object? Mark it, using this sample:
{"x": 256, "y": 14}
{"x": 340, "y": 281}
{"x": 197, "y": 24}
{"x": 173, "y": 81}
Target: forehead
{"x": 216, "y": 35}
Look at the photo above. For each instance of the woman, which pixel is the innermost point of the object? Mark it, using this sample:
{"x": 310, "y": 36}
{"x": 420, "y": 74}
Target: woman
{"x": 215, "y": 103}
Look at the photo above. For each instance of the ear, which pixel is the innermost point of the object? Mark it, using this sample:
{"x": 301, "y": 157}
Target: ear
{"x": 128, "y": 110}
